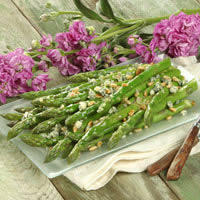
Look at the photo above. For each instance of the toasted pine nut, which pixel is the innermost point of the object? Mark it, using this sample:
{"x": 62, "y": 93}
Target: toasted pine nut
{"x": 138, "y": 130}
{"x": 99, "y": 144}
{"x": 172, "y": 109}
{"x": 90, "y": 103}
{"x": 124, "y": 84}
{"x": 131, "y": 112}
{"x": 93, "y": 148}
{"x": 90, "y": 123}
{"x": 169, "y": 117}
{"x": 150, "y": 83}
{"x": 129, "y": 77}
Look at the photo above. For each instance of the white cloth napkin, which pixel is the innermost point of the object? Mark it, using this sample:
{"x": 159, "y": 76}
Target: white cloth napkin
{"x": 138, "y": 157}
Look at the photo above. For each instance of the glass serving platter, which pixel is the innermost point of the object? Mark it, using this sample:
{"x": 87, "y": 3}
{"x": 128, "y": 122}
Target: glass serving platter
{"x": 60, "y": 166}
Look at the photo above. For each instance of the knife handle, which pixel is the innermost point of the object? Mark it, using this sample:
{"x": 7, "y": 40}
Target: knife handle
{"x": 165, "y": 161}
{"x": 179, "y": 160}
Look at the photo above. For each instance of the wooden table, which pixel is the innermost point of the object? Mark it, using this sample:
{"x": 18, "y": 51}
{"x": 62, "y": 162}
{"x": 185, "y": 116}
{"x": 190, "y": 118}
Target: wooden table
{"x": 19, "y": 178}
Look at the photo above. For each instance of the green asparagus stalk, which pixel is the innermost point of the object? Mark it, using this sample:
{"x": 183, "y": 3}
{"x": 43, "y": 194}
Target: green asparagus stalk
{"x": 24, "y": 109}
{"x": 125, "y": 128}
{"x": 133, "y": 84}
{"x": 62, "y": 111}
{"x": 59, "y": 101}
{"x": 34, "y": 94}
{"x": 67, "y": 150}
{"x": 57, "y": 150}
{"x": 47, "y": 125}
{"x": 12, "y": 116}
{"x": 97, "y": 130}
{"x": 39, "y": 140}
{"x": 25, "y": 123}
{"x": 161, "y": 95}
{"x": 92, "y": 109}
{"x": 185, "y": 104}
{"x": 95, "y": 74}
{"x": 182, "y": 93}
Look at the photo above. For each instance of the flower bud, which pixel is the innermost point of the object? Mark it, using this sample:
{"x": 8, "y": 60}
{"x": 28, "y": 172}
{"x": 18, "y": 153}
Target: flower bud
{"x": 115, "y": 50}
{"x": 48, "y": 5}
{"x": 90, "y": 30}
{"x": 35, "y": 44}
{"x": 44, "y": 17}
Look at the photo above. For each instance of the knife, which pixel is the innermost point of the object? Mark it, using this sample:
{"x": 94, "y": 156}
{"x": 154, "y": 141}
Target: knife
{"x": 179, "y": 160}
{"x": 165, "y": 161}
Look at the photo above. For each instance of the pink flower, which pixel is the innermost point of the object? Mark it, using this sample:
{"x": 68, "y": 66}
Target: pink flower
{"x": 63, "y": 41}
{"x": 72, "y": 39}
{"x": 46, "y": 40}
{"x": 42, "y": 65}
{"x": 39, "y": 83}
{"x": 134, "y": 39}
{"x": 178, "y": 36}
{"x": 54, "y": 55}
{"x": 15, "y": 71}
{"x": 123, "y": 59}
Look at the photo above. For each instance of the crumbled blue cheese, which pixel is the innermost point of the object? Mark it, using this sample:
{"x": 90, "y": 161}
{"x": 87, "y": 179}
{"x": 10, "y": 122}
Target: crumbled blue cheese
{"x": 170, "y": 104}
{"x": 93, "y": 81}
{"x": 82, "y": 105}
{"x": 97, "y": 88}
{"x": 173, "y": 89}
{"x": 101, "y": 107}
{"x": 152, "y": 92}
{"x": 157, "y": 87}
{"x": 153, "y": 78}
{"x": 184, "y": 112}
{"x": 112, "y": 110}
{"x": 92, "y": 94}
{"x": 107, "y": 82}
{"x": 78, "y": 124}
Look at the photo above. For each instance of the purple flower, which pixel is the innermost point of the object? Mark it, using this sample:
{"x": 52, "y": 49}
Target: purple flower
{"x": 72, "y": 39}
{"x": 134, "y": 39}
{"x": 63, "y": 41}
{"x": 42, "y": 65}
{"x": 147, "y": 55}
{"x": 54, "y": 55}
{"x": 15, "y": 71}
{"x": 39, "y": 82}
{"x": 46, "y": 40}
{"x": 123, "y": 59}
{"x": 178, "y": 36}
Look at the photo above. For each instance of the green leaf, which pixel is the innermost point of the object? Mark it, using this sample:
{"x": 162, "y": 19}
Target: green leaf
{"x": 106, "y": 9}
{"x": 88, "y": 12}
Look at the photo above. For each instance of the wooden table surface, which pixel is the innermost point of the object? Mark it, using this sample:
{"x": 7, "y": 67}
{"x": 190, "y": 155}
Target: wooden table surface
{"x": 19, "y": 178}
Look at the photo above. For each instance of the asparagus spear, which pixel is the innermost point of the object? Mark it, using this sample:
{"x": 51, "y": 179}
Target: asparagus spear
{"x": 34, "y": 94}
{"x": 47, "y": 125}
{"x": 27, "y": 122}
{"x": 185, "y": 104}
{"x": 162, "y": 94}
{"x": 77, "y": 136}
{"x": 59, "y": 101}
{"x": 57, "y": 150}
{"x": 92, "y": 109}
{"x": 12, "y": 116}
{"x": 62, "y": 111}
{"x": 39, "y": 140}
{"x": 24, "y": 109}
{"x": 182, "y": 93}
{"x": 125, "y": 128}
{"x": 97, "y": 130}
{"x": 95, "y": 74}
{"x": 133, "y": 84}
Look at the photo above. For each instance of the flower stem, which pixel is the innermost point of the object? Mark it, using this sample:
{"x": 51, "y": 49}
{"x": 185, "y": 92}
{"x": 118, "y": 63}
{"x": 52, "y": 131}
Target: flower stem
{"x": 69, "y": 13}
